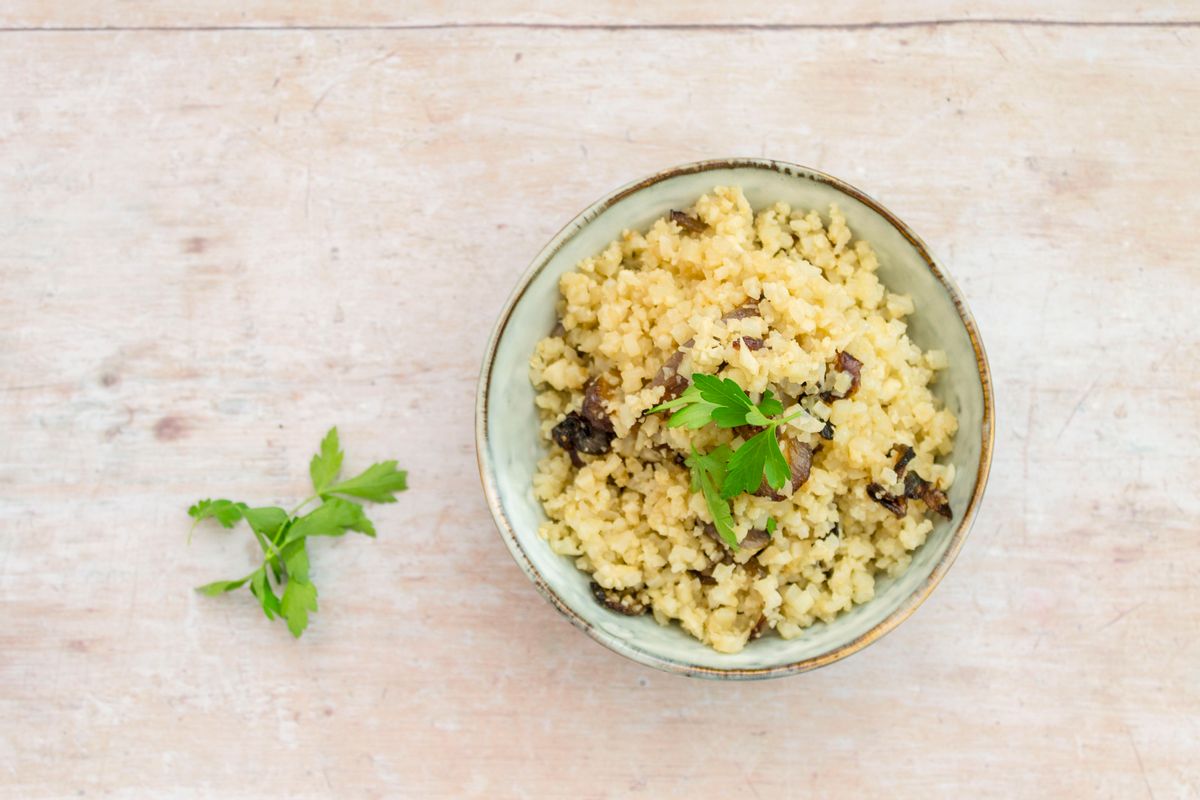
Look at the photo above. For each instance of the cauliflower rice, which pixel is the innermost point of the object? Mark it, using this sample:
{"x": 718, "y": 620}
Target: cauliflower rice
{"x": 627, "y": 516}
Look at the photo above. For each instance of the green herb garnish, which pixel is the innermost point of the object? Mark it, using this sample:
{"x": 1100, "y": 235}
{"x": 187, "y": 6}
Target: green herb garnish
{"x": 283, "y": 536}
{"x": 720, "y": 401}
{"x": 708, "y": 473}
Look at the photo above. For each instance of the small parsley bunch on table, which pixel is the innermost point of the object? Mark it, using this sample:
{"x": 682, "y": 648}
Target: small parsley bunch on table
{"x": 724, "y": 473}
{"x": 283, "y": 536}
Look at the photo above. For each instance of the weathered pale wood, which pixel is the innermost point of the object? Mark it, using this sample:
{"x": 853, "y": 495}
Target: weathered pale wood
{"x": 213, "y": 245}
{"x": 358, "y": 13}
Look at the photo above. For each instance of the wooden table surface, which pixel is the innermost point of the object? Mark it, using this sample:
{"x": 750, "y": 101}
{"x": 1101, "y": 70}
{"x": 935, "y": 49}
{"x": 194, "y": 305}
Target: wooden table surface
{"x": 223, "y": 230}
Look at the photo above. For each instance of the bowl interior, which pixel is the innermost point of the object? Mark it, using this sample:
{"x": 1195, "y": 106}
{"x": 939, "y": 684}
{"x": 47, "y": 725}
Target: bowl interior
{"x": 510, "y": 447}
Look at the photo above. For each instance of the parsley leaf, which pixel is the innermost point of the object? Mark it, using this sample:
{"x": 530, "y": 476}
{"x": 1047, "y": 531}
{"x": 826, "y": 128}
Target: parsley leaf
{"x": 225, "y": 512}
{"x": 769, "y": 406}
{"x": 300, "y": 595}
{"x": 694, "y": 416}
{"x": 694, "y": 412}
{"x": 713, "y": 463}
{"x": 729, "y": 417}
{"x": 722, "y": 391}
{"x": 299, "y": 598}
{"x": 332, "y": 518}
{"x": 283, "y": 537}
{"x": 718, "y": 400}
{"x": 746, "y": 466}
{"x": 266, "y": 522}
{"x": 777, "y": 470}
{"x": 755, "y": 417}
{"x": 771, "y": 525}
{"x": 377, "y": 483}
{"x": 327, "y": 463}
{"x": 295, "y": 557}
{"x": 724, "y": 474}
{"x": 220, "y": 587}
{"x": 690, "y": 395}
{"x": 261, "y": 588}
{"x": 708, "y": 472}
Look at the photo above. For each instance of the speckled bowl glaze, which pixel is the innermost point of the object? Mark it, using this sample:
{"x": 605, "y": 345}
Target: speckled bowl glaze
{"x": 506, "y": 422}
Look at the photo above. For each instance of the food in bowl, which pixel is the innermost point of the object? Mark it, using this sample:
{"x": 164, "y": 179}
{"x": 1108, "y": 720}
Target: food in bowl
{"x": 741, "y": 436}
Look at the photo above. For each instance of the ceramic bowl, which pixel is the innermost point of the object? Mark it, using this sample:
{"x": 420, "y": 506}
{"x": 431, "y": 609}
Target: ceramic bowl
{"x": 506, "y": 424}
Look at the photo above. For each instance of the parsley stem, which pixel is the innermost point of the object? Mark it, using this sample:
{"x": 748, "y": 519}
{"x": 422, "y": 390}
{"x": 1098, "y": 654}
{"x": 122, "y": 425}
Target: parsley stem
{"x": 786, "y": 420}
{"x": 266, "y": 544}
{"x": 306, "y": 501}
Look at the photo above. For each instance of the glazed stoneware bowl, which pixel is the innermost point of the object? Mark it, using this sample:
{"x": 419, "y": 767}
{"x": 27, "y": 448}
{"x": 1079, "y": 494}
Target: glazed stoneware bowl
{"x": 506, "y": 424}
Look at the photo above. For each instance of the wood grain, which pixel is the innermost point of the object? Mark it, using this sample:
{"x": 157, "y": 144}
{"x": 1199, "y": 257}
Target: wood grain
{"x": 215, "y": 244}
{"x": 603, "y": 13}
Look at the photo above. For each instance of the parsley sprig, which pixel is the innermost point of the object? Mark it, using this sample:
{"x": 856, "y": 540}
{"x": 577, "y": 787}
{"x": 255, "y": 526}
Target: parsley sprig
{"x": 708, "y": 474}
{"x": 283, "y": 536}
{"x": 722, "y": 474}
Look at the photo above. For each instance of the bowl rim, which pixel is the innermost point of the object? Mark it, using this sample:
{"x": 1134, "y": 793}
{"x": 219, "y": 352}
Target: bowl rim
{"x": 629, "y": 649}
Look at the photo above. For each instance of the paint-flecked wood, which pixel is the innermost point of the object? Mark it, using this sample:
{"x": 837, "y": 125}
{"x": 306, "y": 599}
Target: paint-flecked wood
{"x": 216, "y": 244}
